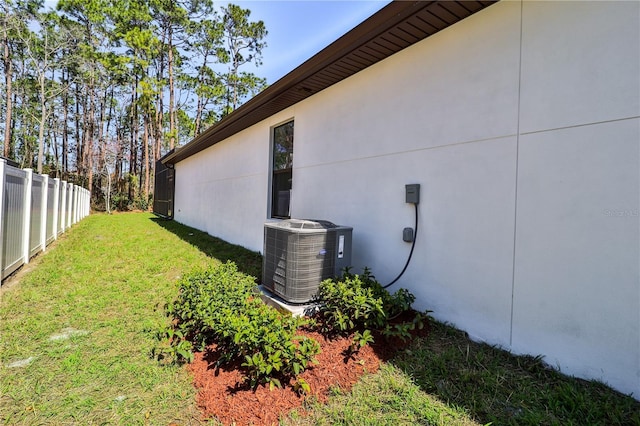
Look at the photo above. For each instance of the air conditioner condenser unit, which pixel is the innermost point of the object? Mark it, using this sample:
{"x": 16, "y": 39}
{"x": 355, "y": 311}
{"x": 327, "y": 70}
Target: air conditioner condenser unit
{"x": 299, "y": 254}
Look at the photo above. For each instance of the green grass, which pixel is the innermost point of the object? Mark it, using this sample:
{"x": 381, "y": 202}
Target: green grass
{"x": 104, "y": 283}
{"x": 446, "y": 379}
{"x": 389, "y": 397}
{"x": 247, "y": 261}
{"x": 495, "y": 386}
{"x": 99, "y": 293}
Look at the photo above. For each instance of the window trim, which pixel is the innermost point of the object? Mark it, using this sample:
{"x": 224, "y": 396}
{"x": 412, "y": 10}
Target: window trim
{"x": 273, "y": 173}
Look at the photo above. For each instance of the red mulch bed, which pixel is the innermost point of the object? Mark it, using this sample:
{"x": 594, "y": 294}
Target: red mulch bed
{"x": 223, "y": 394}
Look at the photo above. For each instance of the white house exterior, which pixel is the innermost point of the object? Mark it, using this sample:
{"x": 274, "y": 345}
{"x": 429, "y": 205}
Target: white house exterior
{"x": 521, "y": 122}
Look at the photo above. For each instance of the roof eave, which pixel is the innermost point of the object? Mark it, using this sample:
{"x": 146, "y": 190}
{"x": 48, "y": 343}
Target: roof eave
{"x": 304, "y": 81}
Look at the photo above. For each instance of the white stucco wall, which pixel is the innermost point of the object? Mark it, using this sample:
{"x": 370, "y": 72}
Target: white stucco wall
{"x": 522, "y": 125}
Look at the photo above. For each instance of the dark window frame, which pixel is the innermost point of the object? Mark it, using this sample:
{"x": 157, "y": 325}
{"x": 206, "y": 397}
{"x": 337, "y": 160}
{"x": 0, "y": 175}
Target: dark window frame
{"x": 281, "y": 169}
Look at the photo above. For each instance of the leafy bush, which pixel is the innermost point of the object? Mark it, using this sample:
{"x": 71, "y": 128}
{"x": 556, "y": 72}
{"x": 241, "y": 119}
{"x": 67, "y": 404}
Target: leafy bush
{"x": 359, "y": 303}
{"x": 392, "y": 304}
{"x": 219, "y": 305}
{"x": 349, "y": 304}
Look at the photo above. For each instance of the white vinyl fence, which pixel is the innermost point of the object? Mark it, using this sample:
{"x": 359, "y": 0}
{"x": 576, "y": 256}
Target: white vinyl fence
{"x": 34, "y": 210}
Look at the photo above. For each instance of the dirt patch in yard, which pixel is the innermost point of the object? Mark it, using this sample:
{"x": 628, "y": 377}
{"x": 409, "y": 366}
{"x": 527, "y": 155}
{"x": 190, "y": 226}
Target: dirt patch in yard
{"x": 222, "y": 393}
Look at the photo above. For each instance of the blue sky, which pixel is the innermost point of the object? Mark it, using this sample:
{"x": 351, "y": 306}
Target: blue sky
{"x": 299, "y": 29}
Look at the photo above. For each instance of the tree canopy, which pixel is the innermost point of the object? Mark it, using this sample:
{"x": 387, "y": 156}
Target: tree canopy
{"x": 96, "y": 91}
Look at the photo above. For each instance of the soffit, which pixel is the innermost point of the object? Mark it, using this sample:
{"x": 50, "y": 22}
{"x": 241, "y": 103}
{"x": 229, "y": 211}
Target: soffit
{"x": 393, "y": 28}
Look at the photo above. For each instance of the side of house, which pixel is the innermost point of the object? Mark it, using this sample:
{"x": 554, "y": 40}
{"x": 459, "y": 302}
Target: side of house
{"x": 522, "y": 125}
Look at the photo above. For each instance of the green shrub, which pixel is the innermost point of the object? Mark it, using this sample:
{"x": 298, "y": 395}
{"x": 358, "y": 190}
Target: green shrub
{"x": 348, "y": 304}
{"x": 392, "y": 304}
{"x": 205, "y": 298}
{"x": 359, "y": 303}
{"x": 219, "y": 305}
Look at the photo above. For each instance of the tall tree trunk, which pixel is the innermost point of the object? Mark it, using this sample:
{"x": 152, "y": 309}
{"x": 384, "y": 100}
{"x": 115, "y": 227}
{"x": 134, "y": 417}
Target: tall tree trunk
{"x": 78, "y": 123}
{"x": 119, "y": 155}
{"x": 133, "y": 159}
{"x": 145, "y": 147}
{"x": 199, "y": 110}
{"x": 108, "y": 98}
{"x": 56, "y": 152}
{"x": 8, "y": 71}
{"x": 159, "y": 124}
{"x": 172, "y": 112}
{"x": 43, "y": 119}
{"x": 85, "y": 133}
{"x": 13, "y": 128}
{"x": 65, "y": 128}
{"x": 159, "y": 127}
{"x": 115, "y": 153}
{"x": 100, "y": 136}
{"x": 90, "y": 133}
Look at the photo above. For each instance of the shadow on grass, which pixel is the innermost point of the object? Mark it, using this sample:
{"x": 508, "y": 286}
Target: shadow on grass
{"x": 492, "y": 385}
{"x": 248, "y": 262}
{"x": 497, "y": 387}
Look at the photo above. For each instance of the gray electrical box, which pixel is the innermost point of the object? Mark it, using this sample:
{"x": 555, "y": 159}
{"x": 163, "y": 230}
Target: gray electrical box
{"x": 407, "y": 235}
{"x": 412, "y": 193}
{"x": 299, "y": 254}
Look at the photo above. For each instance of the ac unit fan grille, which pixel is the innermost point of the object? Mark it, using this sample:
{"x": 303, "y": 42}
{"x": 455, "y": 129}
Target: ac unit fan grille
{"x": 300, "y": 254}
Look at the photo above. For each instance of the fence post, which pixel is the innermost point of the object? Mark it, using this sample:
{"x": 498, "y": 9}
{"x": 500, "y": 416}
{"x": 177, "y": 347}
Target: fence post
{"x": 43, "y": 212}
{"x": 56, "y": 206}
{"x": 63, "y": 208}
{"x": 76, "y": 217}
{"x": 2, "y": 174}
{"x": 74, "y": 205}
{"x": 80, "y": 203}
{"x": 69, "y": 204}
{"x": 27, "y": 215}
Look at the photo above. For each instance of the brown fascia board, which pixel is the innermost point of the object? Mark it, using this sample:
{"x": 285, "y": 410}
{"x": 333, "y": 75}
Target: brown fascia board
{"x": 291, "y": 88}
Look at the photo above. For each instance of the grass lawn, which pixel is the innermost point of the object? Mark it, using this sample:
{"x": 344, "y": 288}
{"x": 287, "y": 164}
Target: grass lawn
{"x": 76, "y": 334}
{"x": 85, "y": 317}
{"x": 447, "y": 379}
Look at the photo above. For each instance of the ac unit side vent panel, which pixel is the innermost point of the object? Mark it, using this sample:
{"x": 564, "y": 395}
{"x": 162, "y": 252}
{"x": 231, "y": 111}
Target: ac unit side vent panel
{"x": 299, "y": 254}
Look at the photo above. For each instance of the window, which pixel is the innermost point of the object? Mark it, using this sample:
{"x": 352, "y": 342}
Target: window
{"x": 281, "y": 170}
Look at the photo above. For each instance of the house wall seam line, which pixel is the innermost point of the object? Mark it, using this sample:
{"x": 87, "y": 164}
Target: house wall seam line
{"x": 515, "y": 198}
